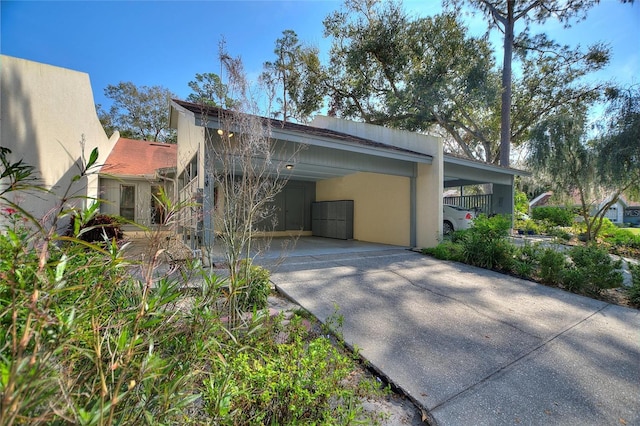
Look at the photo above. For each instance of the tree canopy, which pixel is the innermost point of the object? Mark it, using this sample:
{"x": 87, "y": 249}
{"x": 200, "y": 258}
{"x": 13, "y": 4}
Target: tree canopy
{"x": 138, "y": 112}
{"x": 428, "y": 74}
{"x": 503, "y": 15}
{"x": 208, "y": 89}
{"x": 292, "y": 78}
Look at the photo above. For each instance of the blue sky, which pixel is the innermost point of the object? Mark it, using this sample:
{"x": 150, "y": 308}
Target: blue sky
{"x": 166, "y": 43}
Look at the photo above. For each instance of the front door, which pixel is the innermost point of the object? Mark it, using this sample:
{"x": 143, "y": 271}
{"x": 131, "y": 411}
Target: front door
{"x": 294, "y": 209}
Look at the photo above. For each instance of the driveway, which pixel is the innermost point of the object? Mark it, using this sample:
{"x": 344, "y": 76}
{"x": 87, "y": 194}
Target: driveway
{"x": 471, "y": 346}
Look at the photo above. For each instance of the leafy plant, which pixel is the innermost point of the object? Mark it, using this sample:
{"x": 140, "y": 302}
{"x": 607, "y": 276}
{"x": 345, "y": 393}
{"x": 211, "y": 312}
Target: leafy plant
{"x": 486, "y": 244}
{"x": 593, "y": 270}
{"x": 255, "y": 292}
{"x": 552, "y": 266}
{"x": 558, "y": 216}
{"x": 634, "y": 290}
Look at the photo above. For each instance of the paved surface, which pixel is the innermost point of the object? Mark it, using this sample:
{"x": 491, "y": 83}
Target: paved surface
{"x": 472, "y": 346}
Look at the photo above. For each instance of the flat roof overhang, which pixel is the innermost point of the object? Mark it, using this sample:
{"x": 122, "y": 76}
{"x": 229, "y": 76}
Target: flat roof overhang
{"x": 328, "y": 154}
{"x": 463, "y": 171}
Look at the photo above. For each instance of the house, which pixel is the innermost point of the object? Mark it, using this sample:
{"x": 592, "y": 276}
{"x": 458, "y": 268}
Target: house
{"x": 392, "y": 180}
{"x": 49, "y": 120}
{"x": 131, "y": 179}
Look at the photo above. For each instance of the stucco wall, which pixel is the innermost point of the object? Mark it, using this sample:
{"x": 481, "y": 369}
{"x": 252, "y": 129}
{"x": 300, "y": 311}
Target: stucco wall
{"x": 381, "y": 205}
{"x": 429, "y": 178}
{"x": 45, "y": 112}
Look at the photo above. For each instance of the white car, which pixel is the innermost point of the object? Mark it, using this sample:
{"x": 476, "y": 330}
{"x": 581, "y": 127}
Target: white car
{"x": 456, "y": 218}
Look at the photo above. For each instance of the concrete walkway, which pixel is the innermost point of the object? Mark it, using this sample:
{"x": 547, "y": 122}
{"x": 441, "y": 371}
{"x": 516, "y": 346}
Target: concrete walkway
{"x": 471, "y": 346}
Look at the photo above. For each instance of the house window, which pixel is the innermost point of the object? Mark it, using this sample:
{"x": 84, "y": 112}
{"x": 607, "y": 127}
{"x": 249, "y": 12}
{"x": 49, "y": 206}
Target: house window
{"x": 128, "y": 202}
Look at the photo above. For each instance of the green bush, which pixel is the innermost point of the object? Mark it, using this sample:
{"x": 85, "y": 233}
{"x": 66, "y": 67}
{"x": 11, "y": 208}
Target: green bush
{"x": 99, "y": 228}
{"x": 593, "y": 270}
{"x": 446, "y": 250}
{"x": 634, "y": 291}
{"x": 552, "y": 266}
{"x": 293, "y": 382}
{"x": 526, "y": 260}
{"x": 254, "y": 293}
{"x": 558, "y": 216}
{"x": 486, "y": 244}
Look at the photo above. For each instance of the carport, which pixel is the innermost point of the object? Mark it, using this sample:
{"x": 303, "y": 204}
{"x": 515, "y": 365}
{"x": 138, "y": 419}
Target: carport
{"x": 460, "y": 172}
{"x": 393, "y": 178}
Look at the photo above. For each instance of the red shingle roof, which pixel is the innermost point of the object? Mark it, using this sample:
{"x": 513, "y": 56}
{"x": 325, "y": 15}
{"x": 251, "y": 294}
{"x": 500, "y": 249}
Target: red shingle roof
{"x": 139, "y": 158}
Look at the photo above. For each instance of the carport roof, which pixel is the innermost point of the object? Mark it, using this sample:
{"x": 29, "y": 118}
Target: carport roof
{"x": 312, "y": 135}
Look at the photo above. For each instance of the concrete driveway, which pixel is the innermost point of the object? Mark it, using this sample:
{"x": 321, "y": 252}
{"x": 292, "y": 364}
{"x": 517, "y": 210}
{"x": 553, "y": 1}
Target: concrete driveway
{"x": 471, "y": 346}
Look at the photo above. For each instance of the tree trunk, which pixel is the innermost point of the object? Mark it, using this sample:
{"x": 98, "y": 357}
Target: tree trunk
{"x": 505, "y": 119}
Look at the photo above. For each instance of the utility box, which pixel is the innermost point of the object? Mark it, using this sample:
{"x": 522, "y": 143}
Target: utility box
{"x": 332, "y": 219}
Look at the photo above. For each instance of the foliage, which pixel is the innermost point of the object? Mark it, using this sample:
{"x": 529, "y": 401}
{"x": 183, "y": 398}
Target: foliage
{"x": 208, "y": 89}
{"x": 504, "y": 15}
{"x": 255, "y": 292}
{"x": 526, "y": 260}
{"x": 387, "y": 68}
{"x": 244, "y": 164}
{"x": 293, "y": 78}
{"x": 552, "y": 266}
{"x": 138, "y": 112}
{"x": 486, "y": 244}
{"x": 297, "y": 381}
{"x": 593, "y": 270}
{"x": 558, "y": 216}
{"x": 91, "y": 338}
{"x": 634, "y": 290}
{"x": 446, "y": 250}
{"x": 619, "y": 159}
{"x": 97, "y": 228}
{"x": 520, "y": 203}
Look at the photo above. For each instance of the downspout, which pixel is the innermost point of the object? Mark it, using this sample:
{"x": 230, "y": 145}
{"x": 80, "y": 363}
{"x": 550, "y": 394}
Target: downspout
{"x": 412, "y": 207}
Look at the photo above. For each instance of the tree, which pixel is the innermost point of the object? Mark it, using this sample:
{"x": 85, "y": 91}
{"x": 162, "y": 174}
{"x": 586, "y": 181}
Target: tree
{"x": 389, "y": 69}
{"x": 294, "y": 75}
{"x": 244, "y": 164}
{"x": 428, "y": 74}
{"x": 619, "y": 147}
{"x": 593, "y": 170}
{"x": 138, "y": 112}
{"x": 503, "y": 15}
{"x": 208, "y": 89}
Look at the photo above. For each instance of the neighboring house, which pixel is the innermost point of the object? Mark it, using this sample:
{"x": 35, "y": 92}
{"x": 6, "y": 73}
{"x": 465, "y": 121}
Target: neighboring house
{"x": 49, "y": 120}
{"x": 392, "y": 179}
{"x": 131, "y": 179}
{"x": 615, "y": 213}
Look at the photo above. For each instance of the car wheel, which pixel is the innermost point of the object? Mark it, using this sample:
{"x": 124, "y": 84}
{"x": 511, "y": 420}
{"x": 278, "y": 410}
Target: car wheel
{"x": 447, "y": 227}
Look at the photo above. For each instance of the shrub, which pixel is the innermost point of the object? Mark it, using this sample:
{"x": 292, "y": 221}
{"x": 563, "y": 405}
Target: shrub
{"x": 293, "y": 382}
{"x": 446, "y": 250}
{"x": 593, "y": 270}
{"x": 634, "y": 291}
{"x": 486, "y": 245}
{"x": 552, "y": 266}
{"x": 255, "y": 291}
{"x": 97, "y": 229}
{"x": 526, "y": 260}
{"x": 558, "y": 216}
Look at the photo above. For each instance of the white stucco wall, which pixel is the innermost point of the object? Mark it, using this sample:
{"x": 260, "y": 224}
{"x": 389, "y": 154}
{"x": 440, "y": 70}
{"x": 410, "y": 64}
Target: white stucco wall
{"x": 45, "y": 112}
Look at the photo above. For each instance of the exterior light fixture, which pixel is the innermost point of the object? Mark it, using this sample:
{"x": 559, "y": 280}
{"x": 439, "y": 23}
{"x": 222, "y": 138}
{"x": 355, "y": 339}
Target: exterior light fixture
{"x": 221, "y": 133}
{"x": 289, "y": 166}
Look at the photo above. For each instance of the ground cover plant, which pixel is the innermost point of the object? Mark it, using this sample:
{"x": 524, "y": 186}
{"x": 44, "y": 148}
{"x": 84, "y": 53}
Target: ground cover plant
{"x": 89, "y": 337}
{"x": 586, "y": 269}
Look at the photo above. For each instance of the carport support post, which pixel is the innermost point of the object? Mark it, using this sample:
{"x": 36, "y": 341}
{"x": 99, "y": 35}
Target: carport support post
{"x": 428, "y": 198}
{"x": 412, "y": 209}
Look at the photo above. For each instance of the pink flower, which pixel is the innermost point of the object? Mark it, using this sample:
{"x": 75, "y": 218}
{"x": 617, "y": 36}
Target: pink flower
{"x": 9, "y": 210}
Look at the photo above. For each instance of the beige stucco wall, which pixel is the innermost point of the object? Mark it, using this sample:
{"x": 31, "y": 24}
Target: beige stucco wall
{"x": 381, "y": 205}
{"x": 429, "y": 177}
{"x": 45, "y": 112}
